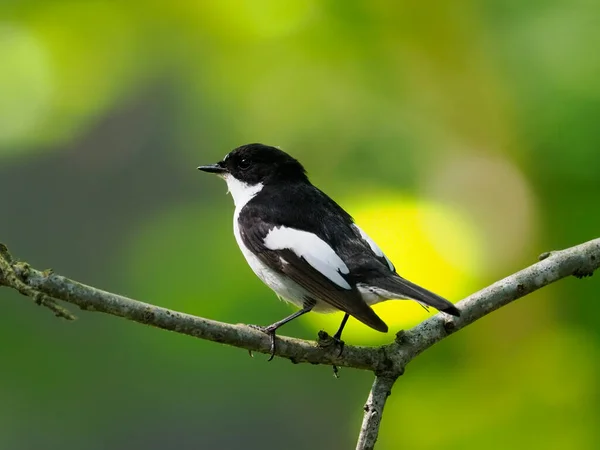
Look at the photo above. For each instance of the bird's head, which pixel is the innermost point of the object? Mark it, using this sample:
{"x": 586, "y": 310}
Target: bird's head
{"x": 253, "y": 166}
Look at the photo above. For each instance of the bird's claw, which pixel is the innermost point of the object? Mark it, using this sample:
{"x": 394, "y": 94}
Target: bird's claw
{"x": 337, "y": 341}
{"x": 325, "y": 341}
{"x": 271, "y": 333}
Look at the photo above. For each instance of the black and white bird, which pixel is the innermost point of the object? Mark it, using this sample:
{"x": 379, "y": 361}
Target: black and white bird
{"x": 304, "y": 246}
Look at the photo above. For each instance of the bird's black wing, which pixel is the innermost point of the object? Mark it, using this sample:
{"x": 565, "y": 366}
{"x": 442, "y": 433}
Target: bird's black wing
{"x": 318, "y": 270}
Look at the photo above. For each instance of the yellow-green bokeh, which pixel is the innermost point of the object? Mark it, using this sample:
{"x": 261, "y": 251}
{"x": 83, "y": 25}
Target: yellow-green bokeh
{"x": 462, "y": 137}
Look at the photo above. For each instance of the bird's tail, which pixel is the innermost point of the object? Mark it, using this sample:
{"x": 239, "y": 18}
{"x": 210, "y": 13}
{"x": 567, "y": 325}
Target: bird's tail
{"x": 402, "y": 288}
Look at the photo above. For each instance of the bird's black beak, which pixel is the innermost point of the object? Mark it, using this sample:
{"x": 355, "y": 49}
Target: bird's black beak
{"x": 214, "y": 168}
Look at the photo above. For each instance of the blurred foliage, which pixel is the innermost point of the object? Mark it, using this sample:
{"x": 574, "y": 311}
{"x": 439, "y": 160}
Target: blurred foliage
{"x": 462, "y": 137}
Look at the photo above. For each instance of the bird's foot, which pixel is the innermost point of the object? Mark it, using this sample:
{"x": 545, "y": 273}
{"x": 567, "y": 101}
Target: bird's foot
{"x": 270, "y": 331}
{"x": 325, "y": 341}
{"x": 339, "y": 343}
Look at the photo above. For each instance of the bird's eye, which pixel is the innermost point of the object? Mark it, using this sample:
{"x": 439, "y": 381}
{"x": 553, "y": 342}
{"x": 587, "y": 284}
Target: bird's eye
{"x": 244, "y": 164}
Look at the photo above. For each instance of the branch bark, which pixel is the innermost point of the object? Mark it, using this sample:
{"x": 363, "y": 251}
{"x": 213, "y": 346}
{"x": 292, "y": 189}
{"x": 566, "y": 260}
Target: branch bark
{"x": 387, "y": 362}
{"x": 369, "y": 430}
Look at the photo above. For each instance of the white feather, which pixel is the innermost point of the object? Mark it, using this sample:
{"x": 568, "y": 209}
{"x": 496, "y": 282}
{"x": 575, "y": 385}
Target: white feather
{"x": 241, "y": 192}
{"x": 373, "y": 295}
{"x": 373, "y": 246}
{"x": 313, "y": 249}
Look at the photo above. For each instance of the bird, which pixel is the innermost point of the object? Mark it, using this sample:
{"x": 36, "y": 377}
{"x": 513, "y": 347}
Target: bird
{"x": 306, "y": 247}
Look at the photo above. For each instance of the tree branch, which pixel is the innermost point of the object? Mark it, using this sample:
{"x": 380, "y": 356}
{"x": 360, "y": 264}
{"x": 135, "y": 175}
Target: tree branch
{"x": 381, "y": 390}
{"x": 387, "y": 362}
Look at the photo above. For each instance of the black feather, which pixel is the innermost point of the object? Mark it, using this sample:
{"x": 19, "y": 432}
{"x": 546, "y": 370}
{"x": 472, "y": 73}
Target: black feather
{"x": 407, "y": 289}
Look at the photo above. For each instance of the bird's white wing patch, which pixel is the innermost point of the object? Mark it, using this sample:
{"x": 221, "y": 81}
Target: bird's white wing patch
{"x": 373, "y": 246}
{"x": 313, "y": 249}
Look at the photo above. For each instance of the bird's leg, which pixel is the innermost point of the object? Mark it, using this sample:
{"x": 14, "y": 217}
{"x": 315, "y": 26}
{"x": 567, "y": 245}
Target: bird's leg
{"x": 325, "y": 341}
{"x": 272, "y": 329}
{"x": 337, "y": 337}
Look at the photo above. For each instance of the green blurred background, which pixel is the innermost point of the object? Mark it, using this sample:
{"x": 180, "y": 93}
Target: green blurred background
{"x": 463, "y": 136}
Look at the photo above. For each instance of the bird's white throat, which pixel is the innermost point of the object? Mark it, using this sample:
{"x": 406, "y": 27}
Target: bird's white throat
{"x": 241, "y": 192}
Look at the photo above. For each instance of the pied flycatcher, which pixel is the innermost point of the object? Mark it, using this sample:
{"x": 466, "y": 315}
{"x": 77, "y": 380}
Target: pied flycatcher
{"x": 304, "y": 246}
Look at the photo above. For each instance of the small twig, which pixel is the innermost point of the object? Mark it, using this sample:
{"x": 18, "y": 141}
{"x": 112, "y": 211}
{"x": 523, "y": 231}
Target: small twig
{"x": 369, "y": 431}
{"x": 10, "y": 278}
